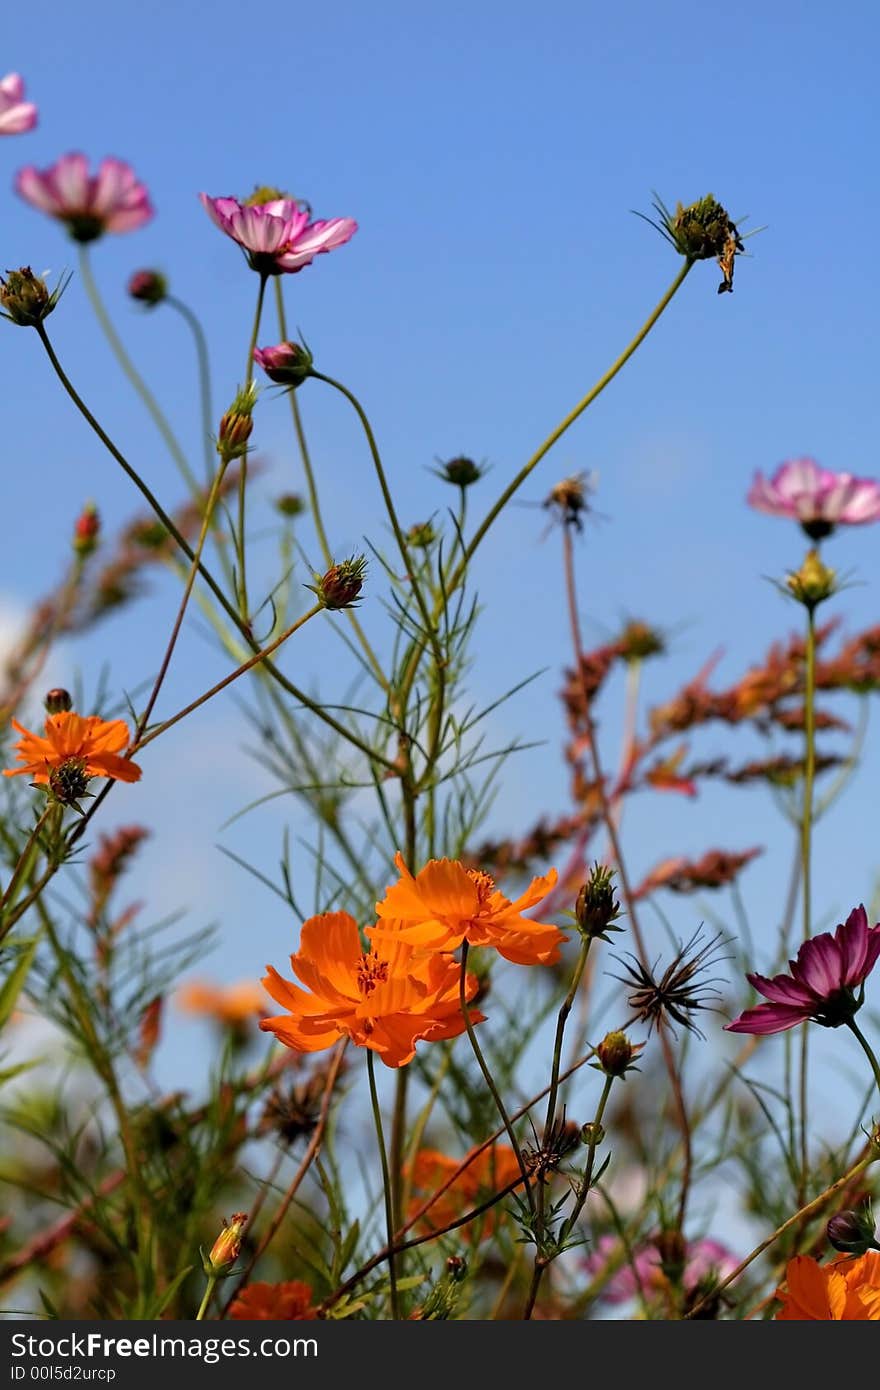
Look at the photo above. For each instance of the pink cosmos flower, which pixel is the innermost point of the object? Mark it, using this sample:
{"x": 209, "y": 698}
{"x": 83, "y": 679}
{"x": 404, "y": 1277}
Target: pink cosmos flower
{"x": 113, "y": 200}
{"x": 816, "y": 497}
{"x": 16, "y": 115}
{"x": 822, "y": 982}
{"x": 644, "y": 1274}
{"x": 277, "y": 236}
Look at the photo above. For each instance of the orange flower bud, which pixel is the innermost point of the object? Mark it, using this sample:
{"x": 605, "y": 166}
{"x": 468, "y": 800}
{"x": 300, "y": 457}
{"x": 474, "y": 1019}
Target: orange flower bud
{"x": 227, "y": 1247}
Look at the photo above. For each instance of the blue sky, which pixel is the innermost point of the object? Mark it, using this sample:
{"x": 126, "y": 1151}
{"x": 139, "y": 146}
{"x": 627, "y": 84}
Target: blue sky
{"x": 491, "y": 155}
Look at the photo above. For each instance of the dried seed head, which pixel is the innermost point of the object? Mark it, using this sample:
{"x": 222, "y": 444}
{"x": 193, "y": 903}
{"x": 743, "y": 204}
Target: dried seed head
{"x": 683, "y": 989}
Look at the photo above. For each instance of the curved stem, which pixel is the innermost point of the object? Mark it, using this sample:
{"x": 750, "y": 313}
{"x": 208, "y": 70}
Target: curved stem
{"x": 204, "y": 368}
{"x": 570, "y": 418}
{"x": 132, "y": 373}
{"x": 489, "y": 1079}
{"x": 386, "y": 1182}
{"x": 806, "y": 876}
{"x": 866, "y": 1048}
{"x": 409, "y": 567}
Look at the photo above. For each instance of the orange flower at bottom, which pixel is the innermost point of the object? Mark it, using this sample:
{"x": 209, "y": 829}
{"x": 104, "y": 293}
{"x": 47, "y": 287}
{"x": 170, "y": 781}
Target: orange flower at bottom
{"x": 91, "y": 742}
{"x": 446, "y": 904}
{"x": 846, "y": 1290}
{"x": 491, "y": 1170}
{"x": 289, "y": 1302}
{"x": 386, "y": 999}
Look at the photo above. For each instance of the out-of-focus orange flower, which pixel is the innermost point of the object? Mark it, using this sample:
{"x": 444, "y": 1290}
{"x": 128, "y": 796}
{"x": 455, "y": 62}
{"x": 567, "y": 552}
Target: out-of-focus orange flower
{"x": 231, "y": 1005}
{"x": 91, "y": 742}
{"x": 491, "y": 1170}
{"x": 386, "y": 999}
{"x": 149, "y": 1032}
{"x": 288, "y": 1302}
{"x": 446, "y": 904}
{"x": 845, "y": 1290}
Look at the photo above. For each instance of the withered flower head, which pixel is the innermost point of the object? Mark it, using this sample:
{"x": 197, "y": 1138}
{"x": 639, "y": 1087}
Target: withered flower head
{"x": 293, "y": 1113}
{"x": 639, "y": 640}
{"x": 545, "y": 1156}
{"x": 460, "y": 471}
{"x": 569, "y": 500}
{"x": 26, "y": 298}
{"x": 290, "y": 504}
{"x": 703, "y": 231}
{"x": 683, "y": 990}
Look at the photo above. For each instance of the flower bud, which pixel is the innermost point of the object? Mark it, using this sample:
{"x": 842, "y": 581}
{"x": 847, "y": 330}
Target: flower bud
{"x": 148, "y": 287}
{"x": 340, "y": 586}
{"x": 58, "y": 700}
{"x": 288, "y": 364}
{"x": 236, "y": 425}
{"x": 86, "y": 530}
{"x": 227, "y": 1247}
{"x": 616, "y": 1053}
{"x": 25, "y": 297}
{"x": 461, "y": 471}
{"x": 597, "y": 908}
{"x": 290, "y": 504}
{"x": 853, "y": 1232}
{"x": 672, "y": 1249}
{"x": 813, "y": 582}
{"x": 421, "y": 535}
{"x": 638, "y": 641}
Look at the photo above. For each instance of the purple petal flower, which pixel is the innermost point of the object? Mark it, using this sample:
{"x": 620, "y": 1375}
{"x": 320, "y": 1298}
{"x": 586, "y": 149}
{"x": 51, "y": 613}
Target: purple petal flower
{"x": 822, "y": 981}
{"x": 16, "y": 114}
{"x": 113, "y": 200}
{"x": 643, "y": 1274}
{"x": 277, "y": 236}
{"x": 816, "y": 497}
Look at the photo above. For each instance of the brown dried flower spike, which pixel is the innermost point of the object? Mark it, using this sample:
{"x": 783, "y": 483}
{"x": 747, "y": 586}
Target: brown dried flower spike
{"x": 681, "y": 991}
{"x": 700, "y": 232}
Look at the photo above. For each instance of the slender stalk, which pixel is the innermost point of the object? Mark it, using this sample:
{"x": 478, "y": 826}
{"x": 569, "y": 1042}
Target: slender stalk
{"x": 204, "y": 369}
{"x": 132, "y": 373}
{"x": 562, "y": 1018}
{"x": 209, "y": 1289}
{"x": 26, "y": 860}
{"x": 806, "y": 876}
{"x": 386, "y": 1183}
{"x": 569, "y": 420}
{"x": 227, "y": 680}
{"x": 866, "y": 1048}
{"x": 489, "y": 1079}
{"x": 184, "y": 601}
{"x": 314, "y": 501}
{"x": 409, "y": 567}
{"x": 240, "y": 540}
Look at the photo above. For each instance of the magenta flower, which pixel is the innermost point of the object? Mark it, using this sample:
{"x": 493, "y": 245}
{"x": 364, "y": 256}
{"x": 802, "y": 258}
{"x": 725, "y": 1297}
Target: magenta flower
{"x": 113, "y": 200}
{"x": 816, "y": 497}
{"x": 16, "y": 116}
{"x": 643, "y": 1274}
{"x": 822, "y": 982}
{"x": 277, "y": 236}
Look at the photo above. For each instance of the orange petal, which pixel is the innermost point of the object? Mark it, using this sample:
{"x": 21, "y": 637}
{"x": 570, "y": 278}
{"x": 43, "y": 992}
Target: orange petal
{"x": 331, "y": 944}
{"x": 808, "y": 1290}
{"x": 110, "y": 765}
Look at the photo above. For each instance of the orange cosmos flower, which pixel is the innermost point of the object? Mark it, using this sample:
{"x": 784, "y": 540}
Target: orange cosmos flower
{"x": 491, "y": 1170}
{"x": 73, "y": 749}
{"x": 288, "y": 1302}
{"x": 386, "y": 999}
{"x": 231, "y": 1005}
{"x": 846, "y": 1290}
{"x": 446, "y": 904}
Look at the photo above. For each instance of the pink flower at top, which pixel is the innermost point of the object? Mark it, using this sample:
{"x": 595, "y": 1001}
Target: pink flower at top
{"x": 822, "y": 982}
{"x": 816, "y": 497}
{"x": 277, "y": 236}
{"x": 113, "y": 200}
{"x": 16, "y": 115}
{"x": 643, "y": 1274}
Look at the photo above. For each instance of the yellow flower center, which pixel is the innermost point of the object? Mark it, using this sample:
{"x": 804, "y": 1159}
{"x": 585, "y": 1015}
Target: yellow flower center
{"x": 371, "y": 972}
{"x": 484, "y": 884}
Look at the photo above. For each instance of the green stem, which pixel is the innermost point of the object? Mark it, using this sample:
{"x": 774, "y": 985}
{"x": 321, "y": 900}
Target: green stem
{"x": 132, "y": 373}
{"x": 240, "y": 545}
{"x": 562, "y": 1018}
{"x": 569, "y": 420}
{"x": 314, "y": 502}
{"x": 489, "y": 1079}
{"x": 209, "y": 1289}
{"x": 386, "y": 1183}
{"x": 409, "y": 567}
{"x": 806, "y": 878}
{"x": 866, "y": 1048}
{"x": 204, "y": 369}
{"x": 25, "y": 863}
